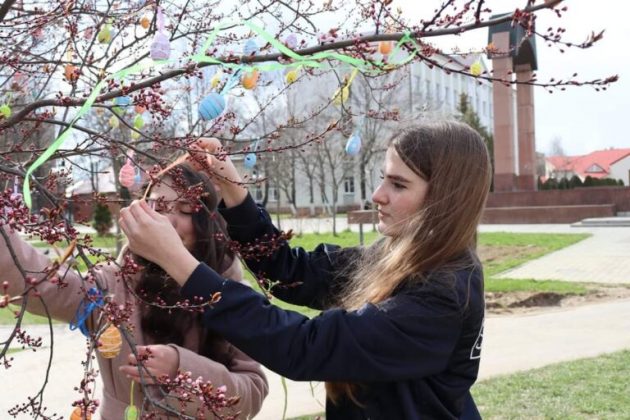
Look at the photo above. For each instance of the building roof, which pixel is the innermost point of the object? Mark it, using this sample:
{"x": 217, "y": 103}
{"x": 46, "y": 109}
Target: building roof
{"x": 595, "y": 164}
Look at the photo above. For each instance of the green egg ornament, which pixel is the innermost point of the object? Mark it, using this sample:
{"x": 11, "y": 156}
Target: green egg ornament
{"x": 138, "y": 122}
{"x": 5, "y": 111}
{"x": 105, "y": 35}
{"x": 131, "y": 412}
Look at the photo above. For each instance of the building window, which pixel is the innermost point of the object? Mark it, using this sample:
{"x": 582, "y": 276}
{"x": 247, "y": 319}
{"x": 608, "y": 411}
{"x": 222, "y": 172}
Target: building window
{"x": 348, "y": 185}
{"x": 258, "y": 193}
{"x": 594, "y": 168}
{"x": 447, "y": 95}
{"x": 274, "y": 194}
{"x": 428, "y": 89}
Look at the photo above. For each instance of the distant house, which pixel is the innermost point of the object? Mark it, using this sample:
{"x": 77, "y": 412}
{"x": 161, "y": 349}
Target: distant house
{"x": 610, "y": 163}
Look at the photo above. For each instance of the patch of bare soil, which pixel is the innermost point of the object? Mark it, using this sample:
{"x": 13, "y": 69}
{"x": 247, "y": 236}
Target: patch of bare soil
{"x": 519, "y": 302}
{"x": 496, "y": 253}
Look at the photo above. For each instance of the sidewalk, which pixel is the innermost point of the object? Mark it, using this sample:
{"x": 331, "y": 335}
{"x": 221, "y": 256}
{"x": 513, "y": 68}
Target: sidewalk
{"x": 511, "y": 342}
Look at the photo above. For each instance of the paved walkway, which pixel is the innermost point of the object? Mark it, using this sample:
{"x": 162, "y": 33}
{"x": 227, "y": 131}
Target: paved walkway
{"x": 511, "y": 342}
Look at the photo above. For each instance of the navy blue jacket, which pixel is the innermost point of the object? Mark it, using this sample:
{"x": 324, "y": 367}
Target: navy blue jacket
{"x": 414, "y": 355}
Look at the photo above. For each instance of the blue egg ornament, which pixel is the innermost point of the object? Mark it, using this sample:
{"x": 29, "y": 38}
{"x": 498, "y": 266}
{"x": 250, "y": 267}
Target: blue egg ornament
{"x": 212, "y": 106}
{"x": 353, "y": 145}
{"x": 250, "y": 160}
{"x": 251, "y": 48}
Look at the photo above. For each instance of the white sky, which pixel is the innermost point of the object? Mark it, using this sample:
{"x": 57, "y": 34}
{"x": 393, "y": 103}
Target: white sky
{"x": 584, "y": 120}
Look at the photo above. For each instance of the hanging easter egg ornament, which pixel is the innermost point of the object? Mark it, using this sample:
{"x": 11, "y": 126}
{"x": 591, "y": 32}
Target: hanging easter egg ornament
{"x": 131, "y": 413}
{"x": 121, "y": 103}
{"x": 5, "y": 111}
{"x": 353, "y": 145}
{"x": 291, "y": 41}
{"x": 216, "y": 79}
{"x": 105, "y": 35}
{"x": 342, "y": 94}
{"x": 139, "y": 109}
{"x": 138, "y": 122}
{"x": 110, "y": 342}
{"x": 212, "y": 106}
{"x": 250, "y": 48}
{"x": 77, "y": 414}
{"x": 291, "y": 76}
{"x": 69, "y": 71}
{"x": 127, "y": 174}
{"x": 385, "y": 47}
{"x": 250, "y": 79}
{"x": 145, "y": 22}
{"x": 113, "y": 122}
{"x": 250, "y": 160}
{"x": 135, "y": 135}
{"x": 161, "y": 46}
{"x": 476, "y": 68}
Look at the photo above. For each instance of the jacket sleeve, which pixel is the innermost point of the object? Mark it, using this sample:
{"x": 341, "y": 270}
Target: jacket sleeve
{"x": 298, "y": 277}
{"x": 61, "y": 293}
{"x": 404, "y": 337}
{"x": 243, "y": 378}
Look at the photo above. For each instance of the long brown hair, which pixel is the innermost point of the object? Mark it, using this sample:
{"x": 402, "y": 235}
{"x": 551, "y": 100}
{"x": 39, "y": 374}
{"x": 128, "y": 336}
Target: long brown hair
{"x": 170, "y": 326}
{"x": 454, "y": 160}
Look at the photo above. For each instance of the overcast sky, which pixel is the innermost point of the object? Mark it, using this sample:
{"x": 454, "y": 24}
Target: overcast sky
{"x": 583, "y": 119}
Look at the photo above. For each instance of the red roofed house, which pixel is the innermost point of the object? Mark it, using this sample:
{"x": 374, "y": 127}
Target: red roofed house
{"x": 610, "y": 163}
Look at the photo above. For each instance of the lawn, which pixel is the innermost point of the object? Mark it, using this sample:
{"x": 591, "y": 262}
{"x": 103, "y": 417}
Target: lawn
{"x": 499, "y": 251}
{"x": 583, "y": 389}
{"x": 594, "y": 388}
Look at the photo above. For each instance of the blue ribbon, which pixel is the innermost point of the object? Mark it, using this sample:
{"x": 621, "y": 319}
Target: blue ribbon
{"x": 93, "y": 301}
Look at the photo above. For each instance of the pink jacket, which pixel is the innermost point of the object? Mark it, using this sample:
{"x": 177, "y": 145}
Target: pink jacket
{"x": 244, "y": 378}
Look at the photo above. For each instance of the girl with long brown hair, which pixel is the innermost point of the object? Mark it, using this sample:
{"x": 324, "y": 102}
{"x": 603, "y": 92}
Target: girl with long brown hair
{"x": 402, "y": 323}
{"x": 168, "y": 339}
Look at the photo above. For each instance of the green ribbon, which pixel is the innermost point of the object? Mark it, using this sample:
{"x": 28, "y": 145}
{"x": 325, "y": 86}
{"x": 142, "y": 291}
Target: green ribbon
{"x": 313, "y": 60}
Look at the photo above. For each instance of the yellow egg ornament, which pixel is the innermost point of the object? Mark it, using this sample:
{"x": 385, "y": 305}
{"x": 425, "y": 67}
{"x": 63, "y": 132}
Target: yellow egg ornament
{"x": 77, "y": 414}
{"x": 113, "y": 122}
{"x": 291, "y": 76}
{"x": 110, "y": 342}
{"x": 105, "y": 35}
{"x": 476, "y": 68}
{"x": 135, "y": 135}
{"x": 341, "y": 95}
{"x": 216, "y": 79}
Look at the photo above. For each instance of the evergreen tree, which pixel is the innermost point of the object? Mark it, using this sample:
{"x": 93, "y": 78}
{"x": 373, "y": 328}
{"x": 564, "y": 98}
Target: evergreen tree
{"x": 468, "y": 115}
{"x": 102, "y": 219}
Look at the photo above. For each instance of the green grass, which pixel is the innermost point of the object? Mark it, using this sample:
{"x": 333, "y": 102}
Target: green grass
{"x": 97, "y": 242}
{"x": 7, "y": 317}
{"x": 583, "y": 389}
{"x": 518, "y": 247}
{"x": 594, "y": 388}
{"x": 524, "y": 246}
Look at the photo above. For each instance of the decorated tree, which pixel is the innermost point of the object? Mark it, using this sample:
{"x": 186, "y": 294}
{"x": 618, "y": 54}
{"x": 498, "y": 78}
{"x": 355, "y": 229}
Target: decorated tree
{"x": 135, "y": 84}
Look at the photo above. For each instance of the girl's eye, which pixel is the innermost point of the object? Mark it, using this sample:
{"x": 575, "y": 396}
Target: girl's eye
{"x": 398, "y": 186}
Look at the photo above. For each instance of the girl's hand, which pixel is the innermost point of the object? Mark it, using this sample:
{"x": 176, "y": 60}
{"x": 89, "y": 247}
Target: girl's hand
{"x": 152, "y": 236}
{"x": 158, "y": 360}
{"x": 227, "y": 180}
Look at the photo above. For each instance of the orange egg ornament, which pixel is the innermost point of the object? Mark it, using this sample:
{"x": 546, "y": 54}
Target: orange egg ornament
{"x": 385, "y": 47}
{"x": 69, "y": 71}
{"x": 77, "y": 415}
{"x": 145, "y": 22}
{"x": 250, "y": 79}
{"x": 110, "y": 342}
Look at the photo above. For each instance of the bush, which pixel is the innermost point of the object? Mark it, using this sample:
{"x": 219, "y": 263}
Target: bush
{"x": 102, "y": 219}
